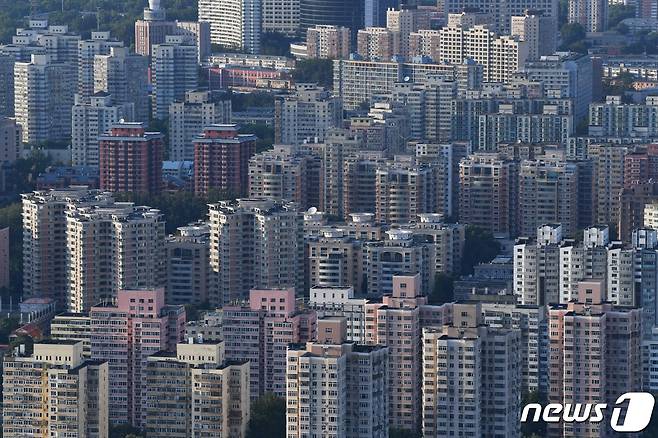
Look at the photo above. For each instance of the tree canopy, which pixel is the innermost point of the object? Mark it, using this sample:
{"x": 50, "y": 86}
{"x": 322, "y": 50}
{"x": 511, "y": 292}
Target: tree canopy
{"x": 480, "y": 247}
{"x": 268, "y": 417}
{"x": 318, "y": 71}
{"x": 85, "y": 16}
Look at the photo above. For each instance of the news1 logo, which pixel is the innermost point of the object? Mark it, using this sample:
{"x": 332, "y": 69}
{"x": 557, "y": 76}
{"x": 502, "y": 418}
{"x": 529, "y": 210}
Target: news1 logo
{"x": 638, "y": 412}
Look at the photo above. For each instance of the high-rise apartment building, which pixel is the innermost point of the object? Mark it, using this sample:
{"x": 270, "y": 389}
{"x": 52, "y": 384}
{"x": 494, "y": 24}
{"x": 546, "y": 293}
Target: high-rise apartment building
{"x": 110, "y": 248}
{"x": 500, "y": 56}
{"x": 130, "y": 159}
{"x": 397, "y": 322}
{"x": 91, "y": 118}
{"x": 488, "y": 192}
{"x": 377, "y": 43}
{"x": 625, "y": 120}
{"x": 359, "y": 182}
{"x": 10, "y": 140}
{"x": 188, "y": 265}
{"x": 44, "y": 238}
{"x": 125, "y": 334}
{"x": 335, "y": 260}
{"x": 537, "y": 267}
{"x": 281, "y": 16}
{"x": 254, "y": 244}
{"x": 499, "y": 12}
{"x": 608, "y": 177}
{"x": 328, "y": 42}
{"x": 548, "y": 193}
{"x": 405, "y": 21}
{"x": 43, "y": 94}
{"x": 188, "y": 117}
{"x": 99, "y": 44}
{"x": 538, "y": 30}
{"x": 7, "y": 77}
{"x": 125, "y": 77}
{"x": 153, "y": 29}
{"x": 566, "y": 74}
{"x": 338, "y": 144}
{"x": 349, "y": 380}
{"x": 54, "y": 392}
{"x": 199, "y": 31}
{"x": 592, "y": 15}
{"x": 71, "y": 326}
{"x": 286, "y": 173}
{"x": 425, "y": 42}
{"x": 174, "y": 72}
{"x": 221, "y": 160}
{"x": 403, "y": 190}
{"x": 308, "y": 114}
{"x": 195, "y": 392}
{"x": 260, "y": 330}
{"x": 471, "y": 377}
{"x": 234, "y": 24}
{"x": 400, "y": 254}
{"x": 604, "y": 358}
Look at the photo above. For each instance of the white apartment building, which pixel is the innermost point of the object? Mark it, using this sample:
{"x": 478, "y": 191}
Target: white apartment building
{"x": 125, "y": 77}
{"x": 99, "y": 44}
{"x": 536, "y": 267}
{"x": 309, "y": 113}
{"x": 234, "y": 24}
{"x": 341, "y": 302}
{"x": 43, "y": 97}
{"x": 174, "y": 71}
{"x": 189, "y": 116}
{"x": 500, "y": 56}
{"x": 91, "y": 118}
{"x": 591, "y": 14}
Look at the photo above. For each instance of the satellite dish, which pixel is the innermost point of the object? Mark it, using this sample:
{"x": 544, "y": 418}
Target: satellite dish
{"x": 312, "y": 210}
{"x": 406, "y": 79}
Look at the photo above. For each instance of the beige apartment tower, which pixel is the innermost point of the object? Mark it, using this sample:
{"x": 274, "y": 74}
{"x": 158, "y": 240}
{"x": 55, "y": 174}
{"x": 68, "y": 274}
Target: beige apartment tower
{"x": 54, "y": 392}
{"x": 195, "y": 393}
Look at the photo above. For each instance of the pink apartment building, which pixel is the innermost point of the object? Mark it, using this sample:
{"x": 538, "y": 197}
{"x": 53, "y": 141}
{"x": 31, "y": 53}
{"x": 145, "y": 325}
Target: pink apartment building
{"x": 594, "y": 355}
{"x": 126, "y": 334}
{"x": 261, "y": 330}
{"x": 397, "y": 322}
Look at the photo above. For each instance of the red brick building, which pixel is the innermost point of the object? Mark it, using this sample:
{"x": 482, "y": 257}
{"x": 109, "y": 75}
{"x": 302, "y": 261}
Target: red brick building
{"x": 131, "y": 159}
{"x": 221, "y": 160}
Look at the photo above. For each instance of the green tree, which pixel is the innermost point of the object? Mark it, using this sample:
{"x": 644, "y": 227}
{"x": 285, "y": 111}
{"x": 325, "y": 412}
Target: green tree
{"x": 268, "y": 417}
{"x": 443, "y": 290}
{"x": 264, "y": 133}
{"x": 258, "y": 99}
{"x": 10, "y": 216}
{"x": 618, "y": 13}
{"x": 480, "y": 247}
{"x": 179, "y": 208}
{"x": 571, "y": 33}
{"x": 7, "y": 325}
{"x": 275, "y": 44}
{"x": 318, "y": 71}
